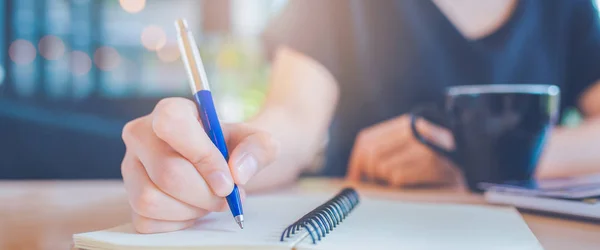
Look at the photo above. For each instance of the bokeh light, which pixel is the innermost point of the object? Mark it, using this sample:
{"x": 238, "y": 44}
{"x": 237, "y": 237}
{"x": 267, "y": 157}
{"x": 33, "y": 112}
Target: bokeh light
{"x": 80, "y": 63}
{"x": 153, "y": 38}
{"x": 229, "y": 57}
{"x": 133, "y": 6}
{"x": 107, "y": 58}
{"x": 22, "y": 52}
{"x": 169, "y": 53}
{"x": 51, "y": 47}
{"x": 231, "y": 109}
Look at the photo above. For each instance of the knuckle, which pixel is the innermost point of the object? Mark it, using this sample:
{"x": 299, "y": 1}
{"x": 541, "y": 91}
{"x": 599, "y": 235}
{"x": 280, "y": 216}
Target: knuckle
{"x": 168, "y": 117}
{"x": 205, "y": 160}
{"x": 362, "y": 138}
{"x": 125, "y": 169}
{"x": 162, "y": 103}
{"x": 146, "y": 202}
{"x": 168, "y": 177}
{"x": 166, "y": 123}
{"x": 171, "y": 103}
{"x": 143, "y": 226}
{"x": 404, "y": 120}
{"x": 361, "y": 135}
{"x": 130, "y": 130}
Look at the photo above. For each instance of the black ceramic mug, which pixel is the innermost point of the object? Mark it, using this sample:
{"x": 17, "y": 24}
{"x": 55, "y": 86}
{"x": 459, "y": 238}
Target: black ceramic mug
{"x": 499, "y": 130}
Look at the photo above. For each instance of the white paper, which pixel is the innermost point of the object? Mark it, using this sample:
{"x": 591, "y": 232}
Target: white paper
{"x": 373, "y": 224}
{"x": 381, "y": 224}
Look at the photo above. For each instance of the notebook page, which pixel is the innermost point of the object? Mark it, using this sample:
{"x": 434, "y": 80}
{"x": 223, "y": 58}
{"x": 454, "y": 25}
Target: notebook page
{"x": 381, "y": 224}
{"x": 265, "y": 218}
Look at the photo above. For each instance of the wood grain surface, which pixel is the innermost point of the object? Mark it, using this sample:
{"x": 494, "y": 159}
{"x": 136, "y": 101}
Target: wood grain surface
{"x": 45, "y": 214}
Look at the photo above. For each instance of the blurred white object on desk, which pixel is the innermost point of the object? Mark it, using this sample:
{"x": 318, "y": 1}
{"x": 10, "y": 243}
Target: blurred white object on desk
{"x": 578, "y": 197}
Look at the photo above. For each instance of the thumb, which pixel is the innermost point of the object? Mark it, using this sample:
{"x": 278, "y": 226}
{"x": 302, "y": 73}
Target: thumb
{"x": 255, "y": 151}
{"x": 436, "y": 134}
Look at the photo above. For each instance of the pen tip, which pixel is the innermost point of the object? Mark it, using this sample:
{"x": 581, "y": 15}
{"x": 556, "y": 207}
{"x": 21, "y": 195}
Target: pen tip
{"x": 240, "y": 221}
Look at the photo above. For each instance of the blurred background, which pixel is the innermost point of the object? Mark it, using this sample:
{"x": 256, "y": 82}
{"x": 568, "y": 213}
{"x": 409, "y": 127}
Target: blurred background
{"x": 73, "y": 72}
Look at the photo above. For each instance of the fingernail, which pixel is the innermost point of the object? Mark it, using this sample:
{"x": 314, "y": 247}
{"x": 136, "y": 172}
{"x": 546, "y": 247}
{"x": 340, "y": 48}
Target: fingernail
{"x": 246, "y": 168}
{"x": 220, "y": 183}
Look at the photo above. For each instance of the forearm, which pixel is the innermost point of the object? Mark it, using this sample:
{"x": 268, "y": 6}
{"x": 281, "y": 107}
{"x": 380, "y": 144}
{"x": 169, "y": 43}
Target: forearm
{"x": 572, "y": 151}
{"x": 297, "y": 113}
{"x": 298, "y": 144}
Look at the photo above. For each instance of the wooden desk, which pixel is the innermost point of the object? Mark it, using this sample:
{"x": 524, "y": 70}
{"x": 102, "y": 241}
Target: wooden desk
{"x": 44, "y": 215}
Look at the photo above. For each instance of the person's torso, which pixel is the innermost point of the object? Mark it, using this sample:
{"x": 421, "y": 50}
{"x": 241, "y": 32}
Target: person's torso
{"x": 405, "y": 53}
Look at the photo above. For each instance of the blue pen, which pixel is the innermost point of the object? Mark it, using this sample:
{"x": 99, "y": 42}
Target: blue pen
{"x": 206, "y": 107}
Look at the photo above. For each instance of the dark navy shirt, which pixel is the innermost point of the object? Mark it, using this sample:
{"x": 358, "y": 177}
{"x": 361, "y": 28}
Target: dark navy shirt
{"x": 389, "y": 56}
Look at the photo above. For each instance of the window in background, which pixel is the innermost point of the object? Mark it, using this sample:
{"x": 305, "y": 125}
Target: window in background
{"x": 78, "y": 70}
{"x": 22, "y": 51}
{"x": 52, "y": 47}
{"x": 79, "y": 55}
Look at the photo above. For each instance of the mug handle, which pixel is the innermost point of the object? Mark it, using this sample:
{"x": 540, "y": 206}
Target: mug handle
{"x": 450, "y": 154}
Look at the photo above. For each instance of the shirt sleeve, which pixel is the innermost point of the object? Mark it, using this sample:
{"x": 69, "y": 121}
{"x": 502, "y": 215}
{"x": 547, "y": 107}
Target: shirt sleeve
{"x": 309, "y": 27}
{"x": 583, "y": 56}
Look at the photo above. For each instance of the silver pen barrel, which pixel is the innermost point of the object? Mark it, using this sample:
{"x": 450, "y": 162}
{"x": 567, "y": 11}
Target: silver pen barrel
{"x": 191, "y": 57}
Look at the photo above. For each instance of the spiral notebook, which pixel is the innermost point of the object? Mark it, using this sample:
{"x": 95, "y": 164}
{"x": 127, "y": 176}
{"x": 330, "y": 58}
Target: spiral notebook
{"x": 342, "y": 221}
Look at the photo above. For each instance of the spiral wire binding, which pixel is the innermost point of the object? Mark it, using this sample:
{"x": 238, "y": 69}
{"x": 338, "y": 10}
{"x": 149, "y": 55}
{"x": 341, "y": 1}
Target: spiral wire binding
{"x": 323, "y": 219}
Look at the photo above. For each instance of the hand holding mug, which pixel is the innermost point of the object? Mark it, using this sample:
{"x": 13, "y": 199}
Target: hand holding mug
{"x": 388, "y": 152}
{"x": 499, "y": 130}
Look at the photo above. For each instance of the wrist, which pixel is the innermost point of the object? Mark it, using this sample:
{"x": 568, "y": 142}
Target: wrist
{"x": 300, "y": 141}
{"x": 562, "y": 155}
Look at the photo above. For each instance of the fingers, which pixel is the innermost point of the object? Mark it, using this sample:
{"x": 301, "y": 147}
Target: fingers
{"x": 148, "y": 201}
{"x": 147, "y": 226}
{"x": 389, "y": 144}
{"x": 175, "y": 121}
{"x": 254, "y": 151}
{"x": 408, "y": 158}
{"x": 410, "y": 169}
{"x": 423, "y": 169}
{"x": 375, "y": 144}
{"x": 168, "y": 170}
{"x": 384, "y": 142}
{"x": 438, "y": 135}
{"x": 174, "y": 174}
{"x": 389, "y": 127}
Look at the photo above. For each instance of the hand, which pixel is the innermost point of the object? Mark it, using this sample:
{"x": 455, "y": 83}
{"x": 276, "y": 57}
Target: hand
{"x": 174, "y": 174}
{"x": 388, "y": 152}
